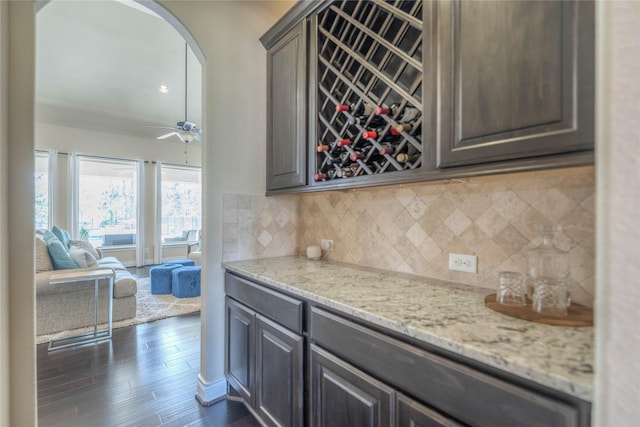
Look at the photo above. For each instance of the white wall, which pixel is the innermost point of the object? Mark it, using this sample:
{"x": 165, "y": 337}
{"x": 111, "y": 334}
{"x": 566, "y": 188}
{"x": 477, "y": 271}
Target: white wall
{"x": 617, "y": 385}
{"x": 234, "y": 155}
{"x": 82, "y": 141}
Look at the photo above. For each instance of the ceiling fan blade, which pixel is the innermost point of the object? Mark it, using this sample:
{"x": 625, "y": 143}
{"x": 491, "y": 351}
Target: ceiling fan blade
{"x": 167, "y": 135}
{"x": 160, "y": 127}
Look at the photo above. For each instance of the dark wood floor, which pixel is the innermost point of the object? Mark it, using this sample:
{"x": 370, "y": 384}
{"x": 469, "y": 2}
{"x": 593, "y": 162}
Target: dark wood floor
{"x": 145, "y": 376}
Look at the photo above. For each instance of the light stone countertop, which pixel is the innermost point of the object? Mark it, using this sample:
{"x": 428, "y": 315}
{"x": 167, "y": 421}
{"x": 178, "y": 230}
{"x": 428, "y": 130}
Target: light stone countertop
{"x": 448, "y": 315}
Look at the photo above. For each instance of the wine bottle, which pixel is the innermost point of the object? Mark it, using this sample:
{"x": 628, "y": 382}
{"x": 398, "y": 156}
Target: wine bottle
{"x": 322, "y": 148}
{"x": 363, "y": 110}
{"x": 407, "y": 158}
{"x": 391, "y": 136}
{"x": 408, "y": 119}
{"x": 343, "y": 142}
{"x": 375, "y": 122}
{"x": 320, "y": 177}
{"x": 386, "y": 149}
{"x": 386, "y": 111}
{"x": 357, "y": 155}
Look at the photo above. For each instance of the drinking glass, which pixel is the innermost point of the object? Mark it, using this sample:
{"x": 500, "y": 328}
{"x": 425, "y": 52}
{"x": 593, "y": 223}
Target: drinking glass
{"x": 511, "y": 288}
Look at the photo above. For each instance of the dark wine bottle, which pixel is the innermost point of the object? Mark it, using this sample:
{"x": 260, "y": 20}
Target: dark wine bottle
{"x": 391, "y": 136}
{"x": 357, "y": 155}
{"x": 386, "y": 111}
{"x": 408, "y": 119}
{"x": 363, "y": 109}
{"x": 386, "y": 149}
{"x": 375, "y": 122}
{"x": 343, "y": 142}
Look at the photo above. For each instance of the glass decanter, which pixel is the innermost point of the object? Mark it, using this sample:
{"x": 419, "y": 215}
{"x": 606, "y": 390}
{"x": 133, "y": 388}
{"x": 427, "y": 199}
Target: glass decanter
{"x": 548, "y": 274}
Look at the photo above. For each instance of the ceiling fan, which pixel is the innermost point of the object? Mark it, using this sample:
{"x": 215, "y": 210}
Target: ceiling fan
{"x": 185, "y": 130}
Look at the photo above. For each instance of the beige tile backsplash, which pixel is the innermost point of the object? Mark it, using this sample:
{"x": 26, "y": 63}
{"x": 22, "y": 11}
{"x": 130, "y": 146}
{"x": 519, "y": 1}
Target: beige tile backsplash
{"x": 413, "y": 228}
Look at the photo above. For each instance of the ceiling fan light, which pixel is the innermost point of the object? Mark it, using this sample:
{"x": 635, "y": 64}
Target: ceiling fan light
{"x": 164, "y": 89}
{"x": 187, "y": 137}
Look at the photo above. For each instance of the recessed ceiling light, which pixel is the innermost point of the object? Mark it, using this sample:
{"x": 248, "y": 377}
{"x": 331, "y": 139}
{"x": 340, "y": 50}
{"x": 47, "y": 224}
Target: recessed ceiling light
{"x": 164, "y": 89}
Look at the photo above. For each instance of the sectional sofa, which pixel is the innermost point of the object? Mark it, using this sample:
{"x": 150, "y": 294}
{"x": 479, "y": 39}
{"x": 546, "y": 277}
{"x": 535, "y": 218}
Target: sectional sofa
{"x": 66, "y": 306}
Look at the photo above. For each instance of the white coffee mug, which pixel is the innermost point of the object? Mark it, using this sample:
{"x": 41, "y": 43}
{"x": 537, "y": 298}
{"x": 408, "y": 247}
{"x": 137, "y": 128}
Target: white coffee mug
{"x": 314, "y": 252}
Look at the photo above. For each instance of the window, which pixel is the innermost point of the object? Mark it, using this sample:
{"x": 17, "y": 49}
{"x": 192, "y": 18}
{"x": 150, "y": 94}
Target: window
{"x": 107, "y": 201}
{"x": 41, "y": 179}
{"x": 181, "y": 203}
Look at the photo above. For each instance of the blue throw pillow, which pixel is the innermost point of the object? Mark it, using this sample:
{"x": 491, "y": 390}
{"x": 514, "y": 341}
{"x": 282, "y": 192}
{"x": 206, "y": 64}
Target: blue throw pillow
{"x": 60, "y": 257}
{"x": 62, "y": 235}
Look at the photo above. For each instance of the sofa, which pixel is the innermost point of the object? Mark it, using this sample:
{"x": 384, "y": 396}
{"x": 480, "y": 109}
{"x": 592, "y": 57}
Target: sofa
{"x": 65, "y": 306}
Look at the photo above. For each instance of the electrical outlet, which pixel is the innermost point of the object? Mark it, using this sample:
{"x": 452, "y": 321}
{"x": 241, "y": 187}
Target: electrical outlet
{"x": 466, "y": 263}
{"x": 327, "y": 245}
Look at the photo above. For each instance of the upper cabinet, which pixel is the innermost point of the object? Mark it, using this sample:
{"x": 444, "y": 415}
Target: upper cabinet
{"x": 286, "y": 109}
{"x": 515, "y": 79}
{"x": 427, "y": 90}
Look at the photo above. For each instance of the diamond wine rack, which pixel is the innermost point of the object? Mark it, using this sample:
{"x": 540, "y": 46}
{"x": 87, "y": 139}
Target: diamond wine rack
{"x": 369, "y": 94}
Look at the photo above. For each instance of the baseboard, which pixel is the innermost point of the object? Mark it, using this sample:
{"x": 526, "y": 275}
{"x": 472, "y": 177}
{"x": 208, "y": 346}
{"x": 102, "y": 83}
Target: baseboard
{"x": 210, "y": 393}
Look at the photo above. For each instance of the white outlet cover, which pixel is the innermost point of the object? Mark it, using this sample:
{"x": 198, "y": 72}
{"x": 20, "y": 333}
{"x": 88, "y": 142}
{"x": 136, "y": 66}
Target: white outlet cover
{"x": 465, "y": 263}
{"x": 326, "y": 244}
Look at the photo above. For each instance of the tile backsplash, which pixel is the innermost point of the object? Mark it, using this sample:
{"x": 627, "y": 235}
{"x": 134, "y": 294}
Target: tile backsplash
{"x": 255, "y": 226}
{"x": 413, "y": 228}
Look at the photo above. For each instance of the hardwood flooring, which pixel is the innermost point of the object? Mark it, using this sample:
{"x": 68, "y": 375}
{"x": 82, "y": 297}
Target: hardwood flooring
{"x": 145, "y": 376}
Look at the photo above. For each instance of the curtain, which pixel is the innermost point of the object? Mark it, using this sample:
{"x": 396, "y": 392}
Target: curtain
{"x": 157, "y": 243}
{"x": 73, "y": 205}
{"x": 52, "y": 164}
{"x": 140, "y": 234}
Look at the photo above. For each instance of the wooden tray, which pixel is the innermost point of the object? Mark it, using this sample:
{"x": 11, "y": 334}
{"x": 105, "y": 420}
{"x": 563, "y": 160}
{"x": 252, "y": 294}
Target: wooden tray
{"x": 579, "y": 315}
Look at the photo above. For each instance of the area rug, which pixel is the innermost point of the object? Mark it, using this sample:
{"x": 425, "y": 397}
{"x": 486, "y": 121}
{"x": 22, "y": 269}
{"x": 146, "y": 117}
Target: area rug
{"x": 149, "y": 308}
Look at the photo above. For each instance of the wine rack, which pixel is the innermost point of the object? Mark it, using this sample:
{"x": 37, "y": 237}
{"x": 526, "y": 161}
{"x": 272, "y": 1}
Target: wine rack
{"x": 369, "y": 89}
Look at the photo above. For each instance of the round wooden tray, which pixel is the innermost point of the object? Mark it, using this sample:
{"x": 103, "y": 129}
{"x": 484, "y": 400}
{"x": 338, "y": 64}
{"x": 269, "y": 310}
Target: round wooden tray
{"x": 579, "y": 315}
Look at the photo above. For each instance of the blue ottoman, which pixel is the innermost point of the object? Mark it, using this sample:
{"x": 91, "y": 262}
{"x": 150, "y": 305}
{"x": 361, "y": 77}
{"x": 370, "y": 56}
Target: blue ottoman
{"x": 161, "y": 278}
{"x": 182, "y": 262}
{"x": 186, "y": 282}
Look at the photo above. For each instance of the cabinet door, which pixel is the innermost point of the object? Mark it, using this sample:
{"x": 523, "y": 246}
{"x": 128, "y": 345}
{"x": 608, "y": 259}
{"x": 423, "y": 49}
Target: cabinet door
{"x": 286, "y": 110}
{"x": 413, "y": 414}
{"x": 343, "y": 396}
{"x": 516, "y": 79}
{"x": 279, "y": 390}
{"x": 240, "y": 349}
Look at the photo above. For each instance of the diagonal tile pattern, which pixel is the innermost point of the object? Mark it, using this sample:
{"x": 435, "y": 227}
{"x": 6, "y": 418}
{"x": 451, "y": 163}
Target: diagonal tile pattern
{"x": 413, "y": 228}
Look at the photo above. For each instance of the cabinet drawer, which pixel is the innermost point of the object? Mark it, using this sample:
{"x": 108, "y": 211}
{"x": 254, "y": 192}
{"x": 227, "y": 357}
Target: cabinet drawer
{"x": 469, "y": 395}
{"x": 278, "y": 307}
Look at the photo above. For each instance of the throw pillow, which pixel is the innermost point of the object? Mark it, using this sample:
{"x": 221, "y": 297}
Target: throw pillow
{"x": 85, "y": 245}
{"x": 82, "y": 257}
{"x": 62, "y": 235}
{"x": 43, "y": 260}
{"x": 59, "y": 254}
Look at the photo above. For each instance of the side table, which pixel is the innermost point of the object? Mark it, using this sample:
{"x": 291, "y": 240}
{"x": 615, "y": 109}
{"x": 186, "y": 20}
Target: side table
{"x": 81, "y": 276}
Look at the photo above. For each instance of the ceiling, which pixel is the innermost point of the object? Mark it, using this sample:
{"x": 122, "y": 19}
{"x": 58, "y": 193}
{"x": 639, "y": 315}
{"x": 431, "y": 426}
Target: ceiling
{"x": 99, "y": 66}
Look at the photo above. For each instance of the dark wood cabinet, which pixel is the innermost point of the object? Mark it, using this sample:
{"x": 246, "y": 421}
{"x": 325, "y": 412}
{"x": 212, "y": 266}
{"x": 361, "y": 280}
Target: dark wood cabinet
{"x": 326, "y": 368}
{"x": 264, "y": 358}
{"x": 240, "y": 349}
{"x": 413, "y": 414}
{"x": 279, "y": 391}
{"x": 496, "y": 87}
{"x": 343, "y": 396}
{"x": 516, "y": 79}
{"x": 286, "y": 110}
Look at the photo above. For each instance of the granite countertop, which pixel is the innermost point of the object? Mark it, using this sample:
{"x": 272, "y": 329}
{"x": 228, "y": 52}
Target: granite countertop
{"x": 448, "y": 315}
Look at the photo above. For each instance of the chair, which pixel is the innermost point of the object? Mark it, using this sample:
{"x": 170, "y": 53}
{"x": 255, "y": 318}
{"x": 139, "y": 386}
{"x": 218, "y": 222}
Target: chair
{"x": 193, "y": 240}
